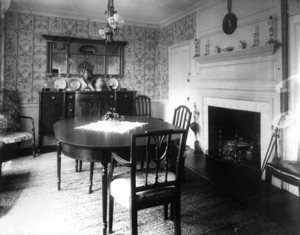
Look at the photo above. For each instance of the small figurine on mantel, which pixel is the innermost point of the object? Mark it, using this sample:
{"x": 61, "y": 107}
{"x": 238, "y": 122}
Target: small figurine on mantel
{"x": 243, "y": 44}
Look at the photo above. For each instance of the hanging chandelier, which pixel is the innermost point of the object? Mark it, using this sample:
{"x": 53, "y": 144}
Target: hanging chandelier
{"x": 113, "y": 24}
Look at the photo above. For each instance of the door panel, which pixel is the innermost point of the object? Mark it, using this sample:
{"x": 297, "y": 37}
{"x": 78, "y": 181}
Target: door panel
{"x": 179, "y": 82}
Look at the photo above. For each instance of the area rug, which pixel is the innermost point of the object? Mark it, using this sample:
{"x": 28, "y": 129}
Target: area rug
{"x": 31, "y": 204}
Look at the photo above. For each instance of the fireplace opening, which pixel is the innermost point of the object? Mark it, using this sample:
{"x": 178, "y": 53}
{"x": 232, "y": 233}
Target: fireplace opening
{"x": 234, "y": 136}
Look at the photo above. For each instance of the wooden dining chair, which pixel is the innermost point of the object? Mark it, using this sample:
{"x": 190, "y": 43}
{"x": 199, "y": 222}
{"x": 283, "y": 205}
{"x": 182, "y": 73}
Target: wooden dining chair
{"x": 143, "y": 106}
{"x": 154, "y": 185}
{"x": 182, "y": 119}
{"x": 84, "y": 106}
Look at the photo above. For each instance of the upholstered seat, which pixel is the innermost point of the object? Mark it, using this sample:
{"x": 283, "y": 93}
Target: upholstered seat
{"x": 288, "y": 171}
{"x": 13, "y": 137}
{"x": 120, "y": 187}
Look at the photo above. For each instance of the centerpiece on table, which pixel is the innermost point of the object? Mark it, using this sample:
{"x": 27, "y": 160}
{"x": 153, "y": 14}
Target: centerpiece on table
{"x": 111, "y": 115}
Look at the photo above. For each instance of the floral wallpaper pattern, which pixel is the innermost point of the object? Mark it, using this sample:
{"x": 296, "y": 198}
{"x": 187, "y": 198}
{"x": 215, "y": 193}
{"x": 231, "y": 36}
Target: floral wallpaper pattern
{"x": 145, "y": 59}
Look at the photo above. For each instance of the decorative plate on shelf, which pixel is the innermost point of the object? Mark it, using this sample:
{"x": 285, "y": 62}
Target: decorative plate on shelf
{"x": 60, "y": 83}
{"x": 113, "y": 83}
{"x": 74, "y": 84}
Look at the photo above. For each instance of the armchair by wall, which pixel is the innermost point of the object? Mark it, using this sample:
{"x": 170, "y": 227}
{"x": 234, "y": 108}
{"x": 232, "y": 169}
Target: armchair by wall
{"x": 287, "y": 171}
{"x": 10, "y": 123}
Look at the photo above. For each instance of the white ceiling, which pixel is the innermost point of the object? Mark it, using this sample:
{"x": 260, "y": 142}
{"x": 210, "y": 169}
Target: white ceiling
{"x": 151, "y": 12}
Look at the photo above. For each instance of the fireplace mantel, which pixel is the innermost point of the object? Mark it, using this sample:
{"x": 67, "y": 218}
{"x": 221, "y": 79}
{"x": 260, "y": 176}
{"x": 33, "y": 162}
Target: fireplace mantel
{"x": 251, "y": 52}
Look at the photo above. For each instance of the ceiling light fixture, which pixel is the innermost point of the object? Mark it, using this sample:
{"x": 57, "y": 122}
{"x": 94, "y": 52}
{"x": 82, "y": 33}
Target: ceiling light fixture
{"x": 113, "y": 24}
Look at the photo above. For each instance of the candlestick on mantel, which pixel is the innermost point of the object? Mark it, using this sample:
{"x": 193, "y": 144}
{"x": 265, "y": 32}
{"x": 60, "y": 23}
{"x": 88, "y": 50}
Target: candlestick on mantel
{"x": 206, "y": 47}
{"x": 207, "y": 42}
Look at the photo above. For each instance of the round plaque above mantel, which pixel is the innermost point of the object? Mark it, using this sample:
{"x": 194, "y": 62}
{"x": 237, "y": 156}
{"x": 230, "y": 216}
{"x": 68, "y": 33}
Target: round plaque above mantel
{"x": 230, "y": 20}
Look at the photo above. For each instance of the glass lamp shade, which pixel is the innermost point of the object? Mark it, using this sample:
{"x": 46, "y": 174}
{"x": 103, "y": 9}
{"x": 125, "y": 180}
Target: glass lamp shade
{"x": 110, "y": 20}
{"x": 114, "y": 21}
{"x": 116, "y": 17}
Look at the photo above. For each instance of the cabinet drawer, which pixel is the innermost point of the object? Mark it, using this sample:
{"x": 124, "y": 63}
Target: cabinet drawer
{"x": 52, "y": 97}
{"x": 70, "y": 107}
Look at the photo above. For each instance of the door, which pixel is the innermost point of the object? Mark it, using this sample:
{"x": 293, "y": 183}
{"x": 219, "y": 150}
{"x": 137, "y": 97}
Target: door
{"x": 179, "y": 82}
{"x": 179, "y": 77}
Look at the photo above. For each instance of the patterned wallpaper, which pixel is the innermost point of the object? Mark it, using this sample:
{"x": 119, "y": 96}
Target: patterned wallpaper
{"x": 146, "y": 54}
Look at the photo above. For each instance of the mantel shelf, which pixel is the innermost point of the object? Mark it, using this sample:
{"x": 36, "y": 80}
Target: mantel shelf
{"x": 238, "y": 54}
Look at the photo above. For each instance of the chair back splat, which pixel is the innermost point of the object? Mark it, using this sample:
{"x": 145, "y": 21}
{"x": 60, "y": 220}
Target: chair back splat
{"x": 157, "y": 183}
{"x": 182, "y": 119}
{"x": 143, "y": 106}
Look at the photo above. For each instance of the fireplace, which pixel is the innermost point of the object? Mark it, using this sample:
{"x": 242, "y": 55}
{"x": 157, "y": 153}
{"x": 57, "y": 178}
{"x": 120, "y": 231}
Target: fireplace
{"x": 262, "y": 107}
{"x": 234, "y": 136}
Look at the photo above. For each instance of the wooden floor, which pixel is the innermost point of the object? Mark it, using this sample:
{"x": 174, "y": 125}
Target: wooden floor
{"x": 280, "y": 206}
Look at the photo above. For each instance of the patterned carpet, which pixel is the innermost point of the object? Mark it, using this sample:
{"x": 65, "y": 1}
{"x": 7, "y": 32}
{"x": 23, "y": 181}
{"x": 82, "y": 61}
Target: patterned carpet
{"x": 31, "y": 204}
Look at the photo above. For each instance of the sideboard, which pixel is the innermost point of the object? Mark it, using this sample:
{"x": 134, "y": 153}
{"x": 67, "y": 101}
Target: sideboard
{"x": 57, "y": 105}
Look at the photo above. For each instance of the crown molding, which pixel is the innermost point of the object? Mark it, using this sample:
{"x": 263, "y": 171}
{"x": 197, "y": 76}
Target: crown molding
{"x": 201, "y": 5}
{"x": 76, "y": 16}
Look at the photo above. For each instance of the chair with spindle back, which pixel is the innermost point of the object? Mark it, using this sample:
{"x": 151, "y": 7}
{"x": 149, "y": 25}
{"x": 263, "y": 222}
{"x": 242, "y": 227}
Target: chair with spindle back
{"x": 157, "y": 184}
{"x": 182, "y": 119}
{"x": 143, "y": 106}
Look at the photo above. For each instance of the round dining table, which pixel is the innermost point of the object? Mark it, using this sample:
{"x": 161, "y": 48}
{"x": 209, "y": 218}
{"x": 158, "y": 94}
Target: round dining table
{"x": 76, "y": 140}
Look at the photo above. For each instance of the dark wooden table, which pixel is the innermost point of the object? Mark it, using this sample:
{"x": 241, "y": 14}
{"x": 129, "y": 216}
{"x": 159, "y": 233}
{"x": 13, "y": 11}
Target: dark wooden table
{"x": 95, "y": 146}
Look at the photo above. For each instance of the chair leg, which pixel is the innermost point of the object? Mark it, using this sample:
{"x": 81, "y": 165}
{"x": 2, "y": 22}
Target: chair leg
{"x": 33, "y": 147}
{"x": 111, "y": 213}
{"x": 172, "y": 208}
{"x": 177, "y": 219}
{"x": 91, "y": 177}
{"x": 268, "y": 181}
{"x": 183, "y": 173}
{"x": 76, "y": 166}
{"x": 133, "y": 217}
{"x": 58, "y": 166}
{"x": 1, "y": 145}
{"x": 80, "y": 166}
{"x": 166, "y": 207}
